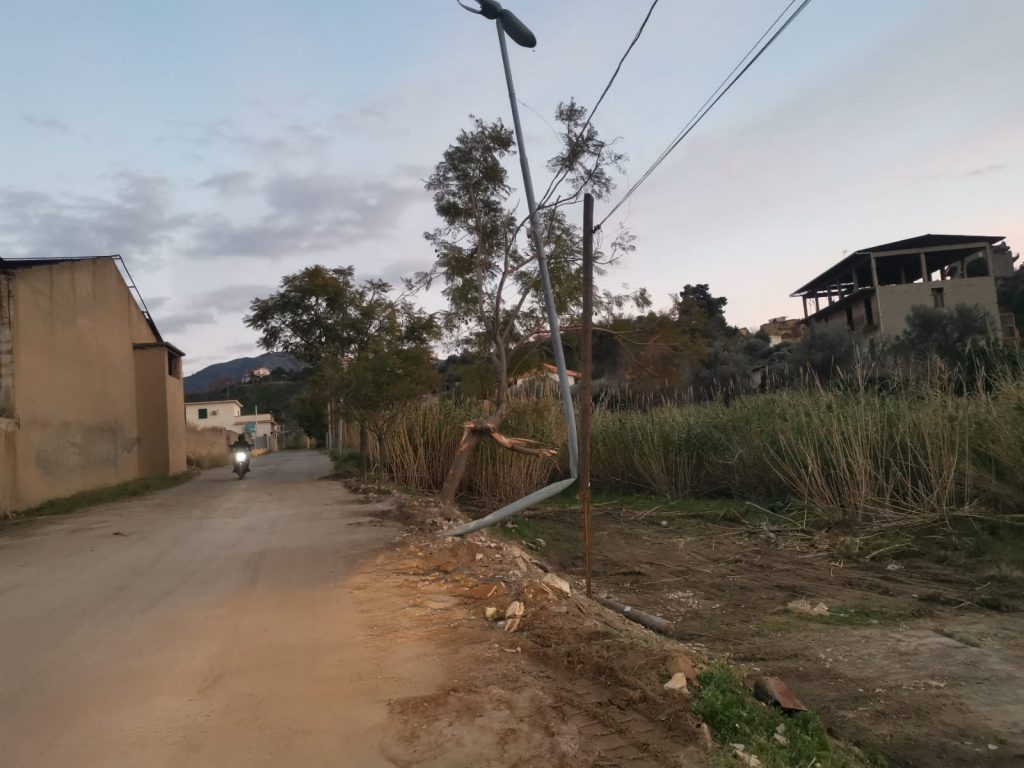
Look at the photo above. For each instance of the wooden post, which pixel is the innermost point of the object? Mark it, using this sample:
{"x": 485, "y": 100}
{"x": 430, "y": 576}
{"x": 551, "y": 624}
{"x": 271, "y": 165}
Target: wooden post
{"x": 587, "y": 371}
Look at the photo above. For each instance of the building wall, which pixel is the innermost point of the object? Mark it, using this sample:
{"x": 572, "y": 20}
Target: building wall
{"x": 8, "y": 426}
{"x": 159, "y": 394}
{"x": 896, "y": 301}
{"x": 174, "y": 402}
{"x": 266, "y": 430}
{"x": 76, "y": 420}
{"x": 227, "y": 413}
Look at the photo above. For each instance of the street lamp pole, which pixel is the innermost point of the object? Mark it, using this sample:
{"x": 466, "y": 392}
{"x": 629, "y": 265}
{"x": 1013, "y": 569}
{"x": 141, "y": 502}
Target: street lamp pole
{"x": 542, "y": 262}
{"x": 508, "y": 24}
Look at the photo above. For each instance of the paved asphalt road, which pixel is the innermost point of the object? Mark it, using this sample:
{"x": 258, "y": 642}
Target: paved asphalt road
{"x": 206, "y": 625}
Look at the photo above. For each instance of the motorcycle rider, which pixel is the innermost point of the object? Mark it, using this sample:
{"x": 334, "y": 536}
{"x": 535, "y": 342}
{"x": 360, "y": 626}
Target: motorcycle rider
{"x": 242, "y": 444}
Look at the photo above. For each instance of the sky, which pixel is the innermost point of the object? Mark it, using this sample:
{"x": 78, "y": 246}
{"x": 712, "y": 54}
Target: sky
{"x": 218, "y": 145}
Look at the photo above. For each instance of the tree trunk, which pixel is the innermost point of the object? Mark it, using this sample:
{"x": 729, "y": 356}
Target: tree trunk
{"x": 364, "y": 449}
{"x": 457, "y": 471}
{"x": 470, "y": 439}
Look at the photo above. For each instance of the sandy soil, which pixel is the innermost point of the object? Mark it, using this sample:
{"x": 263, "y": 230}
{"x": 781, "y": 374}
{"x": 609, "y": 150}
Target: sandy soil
{"x": 909, "y": 668}
{"x": 281, "y": 621}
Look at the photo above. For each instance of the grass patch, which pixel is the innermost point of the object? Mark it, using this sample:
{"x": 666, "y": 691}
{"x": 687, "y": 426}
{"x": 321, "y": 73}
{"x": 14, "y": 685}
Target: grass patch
{"x": 836, "y": 617}
{"x": 346, "y": 462}
{"x": 129, "y": 490}
{"x": 709, "y": 509}
{"x": 735, "y": 717}
{"x": 521, "y": 529}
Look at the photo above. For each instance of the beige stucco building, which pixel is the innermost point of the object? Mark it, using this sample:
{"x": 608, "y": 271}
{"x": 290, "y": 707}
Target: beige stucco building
{"x": 90, "y": 394}
{"x": 872, "y": 290}
{"x": 260, "y": 428}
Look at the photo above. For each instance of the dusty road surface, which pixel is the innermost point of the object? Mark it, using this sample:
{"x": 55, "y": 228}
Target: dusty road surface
{"x": 209, "y": 625}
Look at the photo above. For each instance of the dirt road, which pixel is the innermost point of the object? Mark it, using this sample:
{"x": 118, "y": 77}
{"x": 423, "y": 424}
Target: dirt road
{"x": 209, "y": 625}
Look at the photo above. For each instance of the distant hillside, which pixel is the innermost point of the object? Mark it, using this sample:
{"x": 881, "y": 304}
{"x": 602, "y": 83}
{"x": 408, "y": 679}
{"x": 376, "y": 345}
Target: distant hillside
{"x": 231, "y": 372}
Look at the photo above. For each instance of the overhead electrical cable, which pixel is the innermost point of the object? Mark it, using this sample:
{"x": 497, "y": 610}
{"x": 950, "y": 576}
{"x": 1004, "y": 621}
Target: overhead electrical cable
{"x": 755, "y": 52}
{"x": 558, "y": 179}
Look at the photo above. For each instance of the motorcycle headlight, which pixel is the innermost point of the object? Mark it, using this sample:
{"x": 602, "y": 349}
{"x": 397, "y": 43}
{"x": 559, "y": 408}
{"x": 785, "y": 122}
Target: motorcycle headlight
{"x": 240, "y": 456}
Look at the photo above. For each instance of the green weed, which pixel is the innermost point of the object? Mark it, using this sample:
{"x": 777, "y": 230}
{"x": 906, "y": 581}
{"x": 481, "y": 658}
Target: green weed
{"x": 129, "y": 490}
{"x": 778, "y": 740}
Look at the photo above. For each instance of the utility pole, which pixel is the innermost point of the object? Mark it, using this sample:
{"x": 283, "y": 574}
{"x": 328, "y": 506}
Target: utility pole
{"x": 587, "y": 355}
{"x": 508, "y": 24}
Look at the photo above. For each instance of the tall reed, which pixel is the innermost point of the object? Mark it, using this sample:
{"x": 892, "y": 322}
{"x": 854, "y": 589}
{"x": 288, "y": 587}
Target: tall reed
{"x": 913, "y": 453}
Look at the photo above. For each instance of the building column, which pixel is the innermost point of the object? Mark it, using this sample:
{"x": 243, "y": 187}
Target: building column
{"x": 924, "y": 269}
{"x": 803, "y": 300}
{"x": 874, "y": 272}
{"x": 988, "y": 257}
{"x": 856, "y": 282}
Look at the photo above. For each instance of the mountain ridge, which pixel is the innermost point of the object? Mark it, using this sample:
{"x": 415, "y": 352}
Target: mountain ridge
{"x": 232, "y": 371}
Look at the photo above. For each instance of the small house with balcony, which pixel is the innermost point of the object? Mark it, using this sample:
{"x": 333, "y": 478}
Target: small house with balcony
{"x": 872, "y": 290}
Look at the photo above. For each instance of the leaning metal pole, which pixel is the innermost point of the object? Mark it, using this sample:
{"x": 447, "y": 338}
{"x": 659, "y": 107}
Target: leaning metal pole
{"x": 556, "y": 338}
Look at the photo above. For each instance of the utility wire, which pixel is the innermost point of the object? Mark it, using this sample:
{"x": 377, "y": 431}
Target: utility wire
{"x": 556, "y": 182}
{"x": 618, "y": 68}
{"x": 724, "y": 87}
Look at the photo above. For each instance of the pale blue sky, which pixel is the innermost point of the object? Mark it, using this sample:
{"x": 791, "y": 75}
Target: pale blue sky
{"x": 220, "y": 144}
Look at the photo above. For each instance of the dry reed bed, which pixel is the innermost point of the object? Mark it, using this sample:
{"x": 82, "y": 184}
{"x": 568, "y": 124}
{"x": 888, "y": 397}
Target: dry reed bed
{"x": 852, "y": 455}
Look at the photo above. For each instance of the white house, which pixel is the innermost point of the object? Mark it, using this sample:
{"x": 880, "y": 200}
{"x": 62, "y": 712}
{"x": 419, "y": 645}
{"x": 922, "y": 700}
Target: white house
{"x": 255, "y": 375}
{"x": 221, "y": 414}
{"x": 545, "y": 372}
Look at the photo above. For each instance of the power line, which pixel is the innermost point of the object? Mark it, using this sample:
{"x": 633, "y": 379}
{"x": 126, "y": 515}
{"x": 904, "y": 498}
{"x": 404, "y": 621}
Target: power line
{"x": 618, "y": 68}
{"x": 724, "y": 87}
{"x": 556, "y": 182}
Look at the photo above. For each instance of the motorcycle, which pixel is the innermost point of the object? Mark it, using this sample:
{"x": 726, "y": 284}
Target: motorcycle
{"x": 240, "y": 463}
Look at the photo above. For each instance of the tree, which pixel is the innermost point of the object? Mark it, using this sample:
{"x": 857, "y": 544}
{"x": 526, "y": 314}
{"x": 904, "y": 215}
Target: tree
{"x": 489, "y": 275}
{"x": 368, "y": 352}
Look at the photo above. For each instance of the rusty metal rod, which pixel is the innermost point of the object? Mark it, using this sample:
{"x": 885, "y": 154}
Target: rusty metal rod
{"x": 587, "y": 369}
{"x": 656, "y": 623}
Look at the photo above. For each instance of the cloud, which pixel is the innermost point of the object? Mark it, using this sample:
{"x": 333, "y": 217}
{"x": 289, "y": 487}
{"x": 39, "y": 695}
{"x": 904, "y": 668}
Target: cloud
{"x": 309, "y": 214}
{"x": 46, "y": 123}
{"x": 182, "y": 321}
{"x": 206, "y": 308}
{"x": 230, "y": 183}
{"x": 986, "y": 169}
{"x": 230, "y": 298}
{"x": 292, "y": 141}
{"x": 245, "y": 349}
{"x": 137, "y": 219}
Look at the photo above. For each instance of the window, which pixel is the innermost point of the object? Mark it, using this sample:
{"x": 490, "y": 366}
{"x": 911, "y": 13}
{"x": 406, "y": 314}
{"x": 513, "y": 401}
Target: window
{"x": 173, "y": 365}
{"x": 203, "y": 413}
{"x": 939, "y": 297}
{"x": 869, "y": 315}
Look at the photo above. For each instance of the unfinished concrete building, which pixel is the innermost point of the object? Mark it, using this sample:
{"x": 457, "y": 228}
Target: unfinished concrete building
{"x": 872, "y": 290}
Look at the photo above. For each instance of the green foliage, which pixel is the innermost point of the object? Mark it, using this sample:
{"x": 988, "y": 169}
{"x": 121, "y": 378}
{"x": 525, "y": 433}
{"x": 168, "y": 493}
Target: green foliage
{"x": 368, "y": 353}
{"x": 951, "y": 335}
{"x": 129, "y": 490}
{"x": 735, "y": 717}
{"x": 276, "y": 397}
{"x": 346, "y": 463}
{"x": 483, "y": 260}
